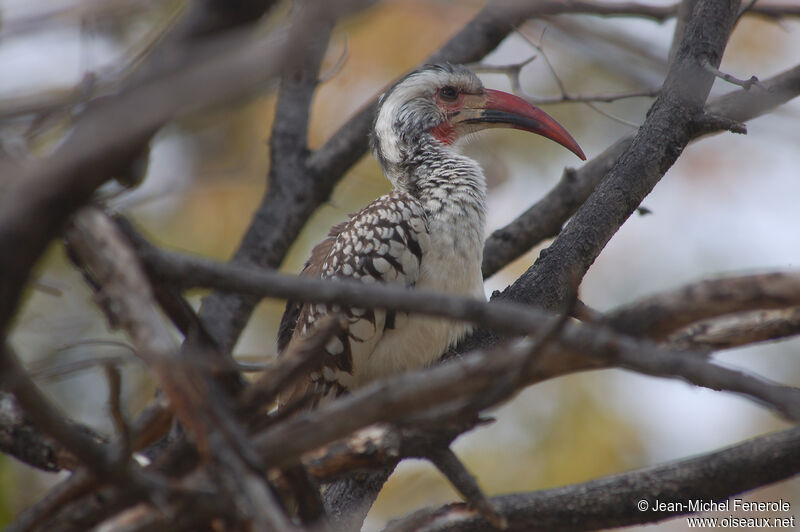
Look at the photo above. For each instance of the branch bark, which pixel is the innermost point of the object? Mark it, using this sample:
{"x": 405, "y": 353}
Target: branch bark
{"x": 659, "y": 315}
{"x": 547, "y": 216}
{"x": 670, "y": 125}
{"x": 611, "y": 502}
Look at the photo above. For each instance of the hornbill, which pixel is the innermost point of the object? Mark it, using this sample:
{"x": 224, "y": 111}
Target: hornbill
{"x": 428, "y": 232}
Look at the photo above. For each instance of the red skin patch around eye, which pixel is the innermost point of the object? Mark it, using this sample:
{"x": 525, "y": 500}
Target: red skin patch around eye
{"x": 444, "y": 132}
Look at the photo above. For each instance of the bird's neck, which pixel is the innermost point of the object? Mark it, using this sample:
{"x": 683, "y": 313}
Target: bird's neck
{"x": 450, "y": 186}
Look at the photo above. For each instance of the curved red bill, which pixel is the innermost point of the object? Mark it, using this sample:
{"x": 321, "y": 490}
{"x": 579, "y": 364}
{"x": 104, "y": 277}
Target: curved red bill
{"x": 514, "y": 112}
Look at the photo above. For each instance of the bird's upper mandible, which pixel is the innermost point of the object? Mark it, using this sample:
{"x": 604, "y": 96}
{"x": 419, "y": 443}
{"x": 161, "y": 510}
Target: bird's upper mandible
{"x": 427, "y": 233}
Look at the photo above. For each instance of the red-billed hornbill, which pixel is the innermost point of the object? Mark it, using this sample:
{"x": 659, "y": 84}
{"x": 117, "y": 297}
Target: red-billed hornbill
{"x": 428, "y": 232}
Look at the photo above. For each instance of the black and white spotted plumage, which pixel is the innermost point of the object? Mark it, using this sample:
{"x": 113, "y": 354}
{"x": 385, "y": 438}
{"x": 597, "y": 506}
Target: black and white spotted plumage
{"x": 381, "y": 243}
{"x": 427, "y": 233}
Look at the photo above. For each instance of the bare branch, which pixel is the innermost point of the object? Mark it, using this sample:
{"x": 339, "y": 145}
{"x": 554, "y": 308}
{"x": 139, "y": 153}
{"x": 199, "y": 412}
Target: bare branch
{"x": 476, "y": 373}
{"x": 605, "y": 97}
{"x": 21, "y": 439}
{"x": 738, "y": 330}
{"x": 115, "y": 409}
{"x": 662, "y": 314}
{"x": 72, "y": 489}
{"x": 611, "y": 502}
{"x": 198, "y": 404}
{"x": 289, "y": 180}
{"x": 304, "y": 357}
{"x": 654, "y": 149}
{"x": 546, "y": 217}
{"x": 83, "y": 446}
{"x": 743, "y": 83}
{"x": 456, "y": 472}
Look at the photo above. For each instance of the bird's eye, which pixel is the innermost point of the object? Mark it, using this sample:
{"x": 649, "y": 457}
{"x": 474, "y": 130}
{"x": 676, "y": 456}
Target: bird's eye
{"x": 448, "y": 93}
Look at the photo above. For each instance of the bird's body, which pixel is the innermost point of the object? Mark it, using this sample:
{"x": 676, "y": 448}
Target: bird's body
{"x": 427, "y": 233}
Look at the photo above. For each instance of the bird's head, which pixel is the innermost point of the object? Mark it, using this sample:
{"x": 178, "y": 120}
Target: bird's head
{"x": 443, "y": 103}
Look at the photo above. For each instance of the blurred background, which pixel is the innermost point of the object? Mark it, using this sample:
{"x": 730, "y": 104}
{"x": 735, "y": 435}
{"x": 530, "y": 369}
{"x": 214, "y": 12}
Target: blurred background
{"x": 730, "y": 205}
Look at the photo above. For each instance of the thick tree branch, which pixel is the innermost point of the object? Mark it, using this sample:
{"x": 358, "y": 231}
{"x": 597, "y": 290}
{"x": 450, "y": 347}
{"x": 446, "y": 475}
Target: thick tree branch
{"x": 659, "y": 315}
{"x": 199, "y": 405}
{"x": 227, "y": 314}
{"x": 654, "y": 149}
{"x": 37, "y": 201}
{"x": 611, "y": 502}
{"x": 459, "y": 381}
{"x": 21, "y": 439}
{"x": 547, "y": 216}
{"x": 670, "y": 125}
{"x": 738, "y": 330}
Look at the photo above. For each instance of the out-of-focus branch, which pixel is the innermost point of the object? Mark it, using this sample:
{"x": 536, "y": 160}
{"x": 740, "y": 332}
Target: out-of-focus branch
{"x": 775, "y": 289}
{"x": 611, "y": 502}
{"x": 659, "y": 13}
{"x": 659, "y": 315}
{"x": 304, "y": 357}
{"x": 738, "y": 330}
{"x": 200, "y": 406}
{"x": 72, "y": 14}
{"x": 459, "y": 381}
{"x": 289, "y": 182}
{"x": 90, "y": 453}
{"x": 36, "y": 199}
{"x": 771, "y": 11}
{"x": 21, "y": 439}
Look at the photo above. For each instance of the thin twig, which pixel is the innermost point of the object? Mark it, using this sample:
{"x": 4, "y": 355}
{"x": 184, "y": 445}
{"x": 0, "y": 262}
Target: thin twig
{"x": 451, "y": 467}
{"x": 564, "y": 95}
{"x": 115, "y": 409}
{"x": 743, "y": 83}
{"x": 512, "y": 71}
{"x": 338, "y": 65}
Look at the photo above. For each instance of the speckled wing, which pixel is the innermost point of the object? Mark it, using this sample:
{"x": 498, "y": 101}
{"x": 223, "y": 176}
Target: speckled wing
{"x": 382, "y": 243}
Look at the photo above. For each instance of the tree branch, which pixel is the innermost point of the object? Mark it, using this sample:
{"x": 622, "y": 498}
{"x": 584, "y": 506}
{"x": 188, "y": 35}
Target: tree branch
{"x": 227, "y": 314}
{"x": 458, "y": 381}
{"x": 35, "y": 204}
{"x": 22, "y": 440}
{"x": 659, "y": 315}
{"x": 669, "y": 127}
{"x": 738, "y": 330}
{"x": 547, "y": 216}
{"x": 611, "y": 502}
{"x": 91, "y": 453}
{"x": 198, "y": 404}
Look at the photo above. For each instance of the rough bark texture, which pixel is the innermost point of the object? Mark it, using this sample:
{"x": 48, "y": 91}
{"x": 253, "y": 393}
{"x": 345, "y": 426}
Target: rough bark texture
{"x": 236, "y": 465}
